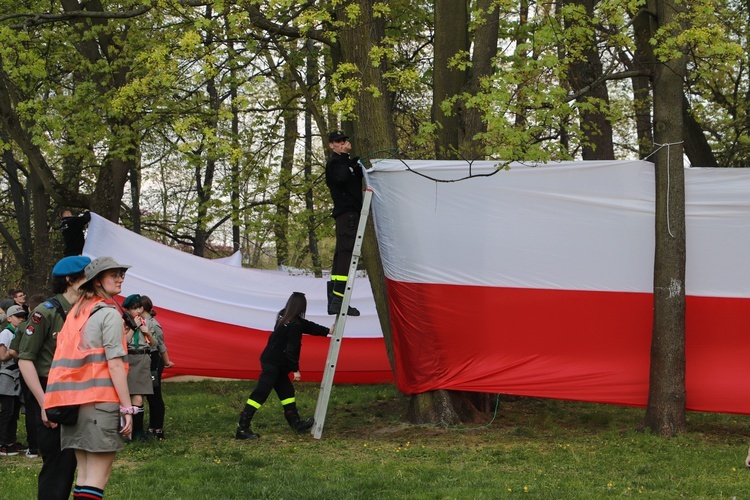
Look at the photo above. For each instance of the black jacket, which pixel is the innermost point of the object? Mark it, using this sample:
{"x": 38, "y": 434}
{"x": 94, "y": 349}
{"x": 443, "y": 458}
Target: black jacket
{"x": 72, "y": 231}
{"x": 344, "y": 180}
{"x": 285, "y": 343}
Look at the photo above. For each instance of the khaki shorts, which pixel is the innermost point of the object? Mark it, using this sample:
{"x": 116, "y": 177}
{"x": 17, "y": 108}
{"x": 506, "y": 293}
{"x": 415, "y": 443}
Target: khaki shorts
{"x": 97, "y": 429}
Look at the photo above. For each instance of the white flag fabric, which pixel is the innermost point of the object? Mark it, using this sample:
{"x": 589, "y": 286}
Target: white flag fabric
{"x": 538, "y": 280}
{"x": 217, "y": 317}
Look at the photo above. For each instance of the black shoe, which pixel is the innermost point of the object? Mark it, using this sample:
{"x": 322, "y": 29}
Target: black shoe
{"x": 8, "y": 450}
{"x": 334, "y": 306}
{"x": 353, "y": 311}
{"x": 246, "y": 433}
{"x": 296, "y": 423}
{"x": 305, "y": 426}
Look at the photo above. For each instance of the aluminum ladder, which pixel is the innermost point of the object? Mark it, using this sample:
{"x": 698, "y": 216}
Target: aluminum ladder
{"x": 338, "y": 330}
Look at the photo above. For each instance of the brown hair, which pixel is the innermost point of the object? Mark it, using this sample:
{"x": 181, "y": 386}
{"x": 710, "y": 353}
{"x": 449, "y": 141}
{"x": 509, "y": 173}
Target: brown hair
{"x": 148, "y": 306}
{"x": 295, "y": 308}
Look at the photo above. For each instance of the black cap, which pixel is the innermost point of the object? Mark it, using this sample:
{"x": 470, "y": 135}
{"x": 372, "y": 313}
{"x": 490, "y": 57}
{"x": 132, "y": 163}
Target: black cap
{"x": 337, "y": 135}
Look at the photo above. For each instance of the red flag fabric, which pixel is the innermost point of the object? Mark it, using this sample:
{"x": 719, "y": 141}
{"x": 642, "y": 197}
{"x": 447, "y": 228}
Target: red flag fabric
{"x": 537, "y": 280}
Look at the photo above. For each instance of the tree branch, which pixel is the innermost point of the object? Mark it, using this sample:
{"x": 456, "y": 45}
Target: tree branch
{"x": 33, "y": 19}
{"x": 606, "y": 77}
{"x": 261, "y": 21}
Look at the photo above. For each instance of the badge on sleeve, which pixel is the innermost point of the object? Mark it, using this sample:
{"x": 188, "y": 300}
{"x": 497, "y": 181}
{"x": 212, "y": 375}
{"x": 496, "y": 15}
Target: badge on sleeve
{"x": 30, "y": 330}
{"x": 37, "y": 318}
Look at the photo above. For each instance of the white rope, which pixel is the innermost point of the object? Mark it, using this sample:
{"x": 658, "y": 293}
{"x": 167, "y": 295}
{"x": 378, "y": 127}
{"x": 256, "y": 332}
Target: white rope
{"x": 667, "y": 145}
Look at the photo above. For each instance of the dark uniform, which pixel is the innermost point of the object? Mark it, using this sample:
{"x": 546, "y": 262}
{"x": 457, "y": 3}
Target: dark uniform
{"x": 72, "y": 232}
{"x": 344, "y": 180}
{"x": 277, "y": 361}
{"x": 38, "y": 344}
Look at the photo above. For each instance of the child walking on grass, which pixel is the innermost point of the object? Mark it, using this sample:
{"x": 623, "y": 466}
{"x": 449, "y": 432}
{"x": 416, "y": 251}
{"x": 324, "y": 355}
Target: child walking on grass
{"x": 277, "y": 361}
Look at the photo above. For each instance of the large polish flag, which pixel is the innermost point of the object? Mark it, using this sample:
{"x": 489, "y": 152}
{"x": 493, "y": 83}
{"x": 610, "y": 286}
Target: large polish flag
{"x": 537, "y": 279}
{"x": 217, "y": 316}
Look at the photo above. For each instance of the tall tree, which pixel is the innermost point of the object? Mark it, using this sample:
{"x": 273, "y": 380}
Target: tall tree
{"x": 374, "y": 129}
{"x": 288, "y": 95}
{"x": 665, "y": 413}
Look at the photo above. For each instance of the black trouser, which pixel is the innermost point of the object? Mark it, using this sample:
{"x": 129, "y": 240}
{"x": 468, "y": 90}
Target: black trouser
{"x": 10, "y": 408}
{"x": 275, "y": 378}
{"x": 32, "y": 418}
{"x": 346, "y": 237}
{"x": 59, "y": 466}
{"x": 156, "y": 409}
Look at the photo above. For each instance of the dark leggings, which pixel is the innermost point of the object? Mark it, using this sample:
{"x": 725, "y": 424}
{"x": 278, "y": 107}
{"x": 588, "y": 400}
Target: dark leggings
{"x": 156, "y": 409}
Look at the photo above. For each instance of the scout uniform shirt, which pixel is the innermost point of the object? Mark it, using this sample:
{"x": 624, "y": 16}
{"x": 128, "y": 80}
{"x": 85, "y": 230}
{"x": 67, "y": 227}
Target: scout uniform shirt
{"x": 39, "y": 337}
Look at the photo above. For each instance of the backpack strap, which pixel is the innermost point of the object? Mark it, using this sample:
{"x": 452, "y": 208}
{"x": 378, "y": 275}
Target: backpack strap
{"x": 59, "y": 307}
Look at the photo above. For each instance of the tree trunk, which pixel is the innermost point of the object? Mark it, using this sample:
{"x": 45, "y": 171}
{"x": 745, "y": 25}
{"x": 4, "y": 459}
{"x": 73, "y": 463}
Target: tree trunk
{"x": 665, "y": 413}
{"x": 19, "y": 133}
{"x": 287, "y": 96}
{"x": 644, "y": 25}
{"x": 204, "y": 184}
{"x": 110, "y": 186}
{"x": 584, "y": 71}
{"x": 234, "y": 173}
{"x": 375, "y": 118}
{"x": 43, "y": 255}
{"x": 21, "y": 243}
{"x": 521, "y": 50}
{"x": 135, "y": 194}
{"x": 448, "y": 81}
{"x": 484, "y": 52}
{"x": 311, "y": 71}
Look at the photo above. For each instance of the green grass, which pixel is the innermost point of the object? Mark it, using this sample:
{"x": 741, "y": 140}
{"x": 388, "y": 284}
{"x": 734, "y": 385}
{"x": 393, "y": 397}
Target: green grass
{"x": 533, "y": 448}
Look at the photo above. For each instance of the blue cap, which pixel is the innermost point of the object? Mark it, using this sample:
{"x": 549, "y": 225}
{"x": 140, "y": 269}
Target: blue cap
{"x": 70, "y": 265}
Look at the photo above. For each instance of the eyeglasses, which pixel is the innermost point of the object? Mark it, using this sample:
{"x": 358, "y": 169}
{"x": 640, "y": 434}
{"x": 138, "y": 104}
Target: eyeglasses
{"x": 119, "y": 273}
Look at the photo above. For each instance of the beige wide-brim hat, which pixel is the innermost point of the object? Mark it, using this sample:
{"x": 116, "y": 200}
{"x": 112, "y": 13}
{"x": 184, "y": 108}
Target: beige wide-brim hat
{"x": 101, "y": 264}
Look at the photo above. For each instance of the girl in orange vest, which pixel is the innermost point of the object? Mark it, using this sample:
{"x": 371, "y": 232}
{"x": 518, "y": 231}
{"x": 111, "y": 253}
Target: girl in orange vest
{"x": 89, "y": 370}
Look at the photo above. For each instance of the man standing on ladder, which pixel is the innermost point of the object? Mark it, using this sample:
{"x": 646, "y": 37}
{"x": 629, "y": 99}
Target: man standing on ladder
{"x": 344, "y": 180}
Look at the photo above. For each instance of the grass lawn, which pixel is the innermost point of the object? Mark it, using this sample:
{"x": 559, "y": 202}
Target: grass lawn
{"x": 532, "y": 448}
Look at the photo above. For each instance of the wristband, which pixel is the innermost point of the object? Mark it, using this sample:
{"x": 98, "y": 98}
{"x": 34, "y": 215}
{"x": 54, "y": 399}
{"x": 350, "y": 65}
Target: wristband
{"x": 129, "y": 410}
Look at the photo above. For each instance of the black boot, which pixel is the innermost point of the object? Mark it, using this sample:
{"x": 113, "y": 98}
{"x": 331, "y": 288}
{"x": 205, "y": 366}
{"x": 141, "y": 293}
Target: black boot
{"x": 243, "y": 427}
{"x": 296, "y": 423}
{"x": 336, "y": 297}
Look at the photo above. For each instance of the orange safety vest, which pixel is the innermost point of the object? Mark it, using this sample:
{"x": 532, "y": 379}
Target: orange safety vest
{"x": 79, "y": 376}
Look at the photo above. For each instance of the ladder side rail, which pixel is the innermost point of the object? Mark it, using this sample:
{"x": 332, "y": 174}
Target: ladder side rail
{"x": 338, "y": 331}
